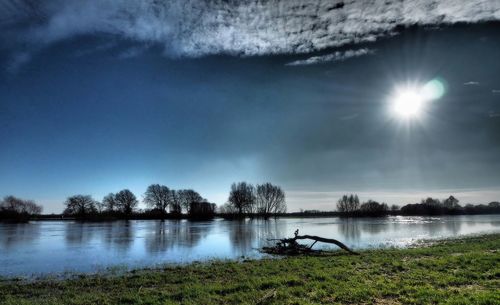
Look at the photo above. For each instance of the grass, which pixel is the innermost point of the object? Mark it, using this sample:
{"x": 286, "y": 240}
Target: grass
{"x": 461, "y": 271}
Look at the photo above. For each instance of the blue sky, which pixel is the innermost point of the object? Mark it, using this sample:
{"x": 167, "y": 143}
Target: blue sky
{"x": 87, "y": 108}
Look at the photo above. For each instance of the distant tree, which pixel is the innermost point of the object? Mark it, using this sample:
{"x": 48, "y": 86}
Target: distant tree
{"x": 158, "y": 197}
{"x": 372, "y": 207}
{"x": 186, "y": 197}
{"x": 13, "y": 207}
{"x": 109, "y": 203}
{"x": 348, "y": 204}
{"x": 242, "y": 197}
{"x": 428, "y": 206}
{"x": 394, "y": 208}
{"x": 227, "y": 208}
{"x": 126, "y": 201}
{"x": 451, "y": 203}
{"x": 431, "y": 202}
{"x": 80, "y": 205}
{"x": 202, "y": 209}
{"x": 269, "y": 199}
{"x": 175, "y": 202}
{"x": 494, "y": 204}
{"x": 100, "y": 207}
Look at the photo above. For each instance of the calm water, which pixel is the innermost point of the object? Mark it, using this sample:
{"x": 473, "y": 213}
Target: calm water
{"x": 45, "y": 247}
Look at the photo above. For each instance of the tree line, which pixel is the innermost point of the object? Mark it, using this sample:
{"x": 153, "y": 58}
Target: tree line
{"x": 350, "y": 205}
{"x": 162, "y": 202}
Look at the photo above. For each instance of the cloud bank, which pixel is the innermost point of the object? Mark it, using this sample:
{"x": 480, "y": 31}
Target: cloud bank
{"x": 239, "y": 27}
{"x": 336, "y": 56}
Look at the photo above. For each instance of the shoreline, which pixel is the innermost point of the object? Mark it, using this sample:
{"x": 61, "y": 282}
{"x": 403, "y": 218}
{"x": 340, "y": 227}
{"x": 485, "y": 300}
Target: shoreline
{"x": 257, "y": 217}
{"x": 433, "y": 271}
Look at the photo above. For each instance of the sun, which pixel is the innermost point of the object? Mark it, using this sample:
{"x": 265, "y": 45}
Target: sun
{"x": 408, "y": 103}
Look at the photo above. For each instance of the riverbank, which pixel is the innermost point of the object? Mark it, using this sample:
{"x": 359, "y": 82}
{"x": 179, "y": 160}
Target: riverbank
{"x": 460, "y": 271}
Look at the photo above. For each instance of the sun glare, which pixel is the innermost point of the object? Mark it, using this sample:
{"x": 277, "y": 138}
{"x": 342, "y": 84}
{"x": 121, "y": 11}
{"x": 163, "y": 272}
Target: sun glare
{"x": 409, "y": 102}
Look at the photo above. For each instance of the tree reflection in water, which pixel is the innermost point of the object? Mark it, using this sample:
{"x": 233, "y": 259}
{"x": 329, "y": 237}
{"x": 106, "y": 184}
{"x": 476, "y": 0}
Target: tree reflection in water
{"x": 350, "y": 230}
{"x": 246, "y": 235}
{"x": 14, "y": 234}
{"x": 118, "y": 235}
{"x": 173, "y": 233}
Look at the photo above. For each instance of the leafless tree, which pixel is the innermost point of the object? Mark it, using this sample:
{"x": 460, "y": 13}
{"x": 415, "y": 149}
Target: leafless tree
{"x": 187, "y": 197}
{"x": 269, "y": 199}
{"x": 109, "y": 203}
{"x": 175, "y": 202}
{"x": 348, "y": 204}
{"x": 126, "y": 201}
{"x": 19, "y": 206}
{"x": 227, "y": 208}
{"x": 80, "y": 205}
{"x": 373, "y": 207}
{"x": 242, "y": 197}
{"x": 158, "y": 197}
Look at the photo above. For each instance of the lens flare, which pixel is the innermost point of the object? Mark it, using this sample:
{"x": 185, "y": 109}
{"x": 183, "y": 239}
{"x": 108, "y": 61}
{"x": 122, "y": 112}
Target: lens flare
{"x": 409, "y": 102}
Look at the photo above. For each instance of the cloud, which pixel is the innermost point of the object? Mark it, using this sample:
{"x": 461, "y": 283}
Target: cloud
{"x": 471, "y": 83}
{"x": 336, "y": 56}
{"x": 495, "y": 91}
{"x": 196, "y": 28}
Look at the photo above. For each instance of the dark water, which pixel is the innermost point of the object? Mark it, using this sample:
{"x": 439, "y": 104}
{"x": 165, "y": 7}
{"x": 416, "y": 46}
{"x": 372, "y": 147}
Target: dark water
{"x": 44, "y": 247}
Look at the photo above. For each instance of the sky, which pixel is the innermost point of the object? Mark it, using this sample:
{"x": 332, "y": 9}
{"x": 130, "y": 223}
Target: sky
{"x": 98, "y": 96}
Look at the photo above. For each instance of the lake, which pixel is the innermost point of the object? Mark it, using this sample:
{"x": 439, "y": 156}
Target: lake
{"x": 55, "y": 247}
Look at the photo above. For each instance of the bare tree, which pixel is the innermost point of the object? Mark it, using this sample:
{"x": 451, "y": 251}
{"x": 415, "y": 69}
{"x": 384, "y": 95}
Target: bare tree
{"x": 187, "y": 197}
{"x": 126, "y": 201}
{"x": 16, "y": 205}
{"x": 269, "y": 199}
{"x": 242, "y": 197}
{"x": 158, "y": 197}
{"x": 348, "y": 204}
{"x": 109, "y": 203}
{"x": 227, "y": 208}
{"x": 175, "y": 202}
{"x": 80, "y": 205}
{"x": 374, "y": 208}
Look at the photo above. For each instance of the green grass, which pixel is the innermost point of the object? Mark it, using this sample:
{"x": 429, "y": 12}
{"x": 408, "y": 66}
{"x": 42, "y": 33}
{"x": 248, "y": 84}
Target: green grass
{"x": 462, "y": 271}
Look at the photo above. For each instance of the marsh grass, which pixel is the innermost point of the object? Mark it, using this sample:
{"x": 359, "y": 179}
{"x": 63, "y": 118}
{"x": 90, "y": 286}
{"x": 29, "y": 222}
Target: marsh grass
{"x": 461, "y": 271}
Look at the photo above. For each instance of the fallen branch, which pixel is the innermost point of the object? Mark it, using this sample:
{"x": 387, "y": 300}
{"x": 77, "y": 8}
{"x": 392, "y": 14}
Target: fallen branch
{"x": 290, "y": 246}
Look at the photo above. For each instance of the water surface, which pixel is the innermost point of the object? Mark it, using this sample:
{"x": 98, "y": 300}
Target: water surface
{"x": 53, "y": 247}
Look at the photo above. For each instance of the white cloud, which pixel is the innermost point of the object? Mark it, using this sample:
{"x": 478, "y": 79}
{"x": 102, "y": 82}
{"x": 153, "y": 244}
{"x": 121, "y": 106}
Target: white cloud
{"x": 196, "y": 28}
{"x": 471, "y": 83}
{"x": 495, "y": 91}
{"x": 336, "y": 56}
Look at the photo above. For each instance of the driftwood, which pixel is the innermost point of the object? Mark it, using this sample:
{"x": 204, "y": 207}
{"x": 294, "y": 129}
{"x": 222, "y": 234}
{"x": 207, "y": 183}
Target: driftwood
{"x": 290, "y": 246}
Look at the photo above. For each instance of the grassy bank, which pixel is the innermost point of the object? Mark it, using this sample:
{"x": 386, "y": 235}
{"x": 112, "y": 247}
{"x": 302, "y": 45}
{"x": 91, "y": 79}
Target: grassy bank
{"x": 464, "y": 271}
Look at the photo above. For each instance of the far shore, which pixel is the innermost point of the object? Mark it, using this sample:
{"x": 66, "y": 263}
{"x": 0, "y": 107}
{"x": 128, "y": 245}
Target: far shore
{"x": 60, "y": 217}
